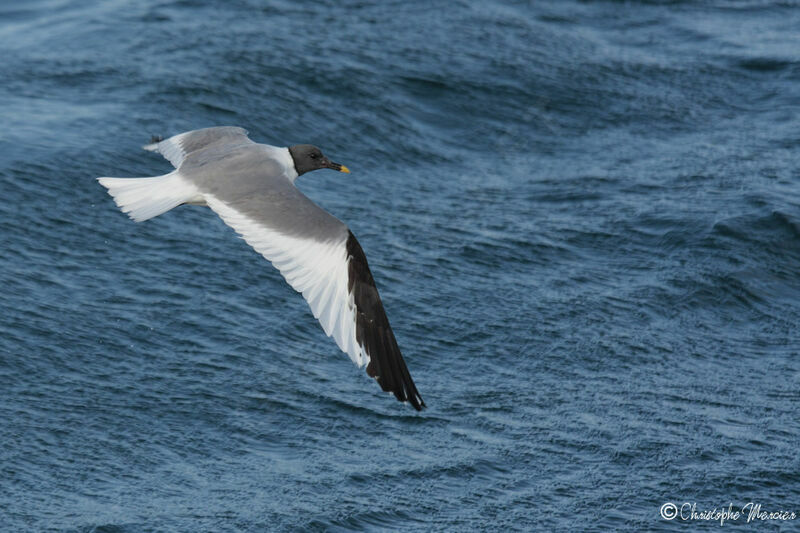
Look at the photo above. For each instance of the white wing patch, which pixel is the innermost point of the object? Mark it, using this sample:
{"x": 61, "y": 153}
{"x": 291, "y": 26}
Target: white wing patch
{"x": 318, "y": 270}
{"x": 171, "y": 149}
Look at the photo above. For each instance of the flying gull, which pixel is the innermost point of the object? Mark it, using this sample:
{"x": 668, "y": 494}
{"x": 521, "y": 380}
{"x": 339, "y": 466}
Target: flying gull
{"x": 251, "y": 187}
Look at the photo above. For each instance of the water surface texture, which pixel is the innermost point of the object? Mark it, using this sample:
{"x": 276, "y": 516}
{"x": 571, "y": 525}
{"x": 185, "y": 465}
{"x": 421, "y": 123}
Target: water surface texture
{"x": 583, "y": 218}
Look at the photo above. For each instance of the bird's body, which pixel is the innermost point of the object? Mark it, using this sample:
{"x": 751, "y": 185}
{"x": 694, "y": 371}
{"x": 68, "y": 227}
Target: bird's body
{"x": 251, "y": 187}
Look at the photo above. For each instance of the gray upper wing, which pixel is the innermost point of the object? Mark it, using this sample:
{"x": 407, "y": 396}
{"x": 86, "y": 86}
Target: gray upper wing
{"x": 249, "y": 179}
{"x": 178, "y": 147}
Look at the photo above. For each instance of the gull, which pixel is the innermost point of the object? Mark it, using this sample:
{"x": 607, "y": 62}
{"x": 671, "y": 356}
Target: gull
{"x": 251, "y": 187}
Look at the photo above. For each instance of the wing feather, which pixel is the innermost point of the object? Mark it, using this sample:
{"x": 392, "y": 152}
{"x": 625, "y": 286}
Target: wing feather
{"x": 176, "y": 148}
{"x": 335, "y": 280}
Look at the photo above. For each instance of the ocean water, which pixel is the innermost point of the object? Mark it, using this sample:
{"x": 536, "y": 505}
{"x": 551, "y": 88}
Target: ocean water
{"x": 583, "y": 218}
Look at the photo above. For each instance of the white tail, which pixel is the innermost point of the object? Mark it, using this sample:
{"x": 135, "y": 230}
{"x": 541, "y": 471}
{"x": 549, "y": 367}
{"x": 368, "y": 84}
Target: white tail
{"x": 144, "y": 198}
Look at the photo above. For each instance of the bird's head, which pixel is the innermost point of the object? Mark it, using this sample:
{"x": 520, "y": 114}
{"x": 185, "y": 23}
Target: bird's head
{"x": 308, "y": 157}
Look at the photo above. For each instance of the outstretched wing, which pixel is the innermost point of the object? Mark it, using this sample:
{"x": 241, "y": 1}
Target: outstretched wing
{"x": 176, "y": 148}
{"x": 327, "y": 265}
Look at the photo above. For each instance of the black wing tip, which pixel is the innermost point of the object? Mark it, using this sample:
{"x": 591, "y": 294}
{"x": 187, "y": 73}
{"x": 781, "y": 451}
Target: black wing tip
{"x": 418, "y": 403}
{"x": 373, "y": 333}
{"x": 408, "y": 391}
{"x": 414, "y": 399}
{"x": 405, "y": 393}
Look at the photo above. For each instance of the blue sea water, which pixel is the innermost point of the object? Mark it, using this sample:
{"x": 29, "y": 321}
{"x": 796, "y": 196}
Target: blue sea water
{"x": 583, "y": 218}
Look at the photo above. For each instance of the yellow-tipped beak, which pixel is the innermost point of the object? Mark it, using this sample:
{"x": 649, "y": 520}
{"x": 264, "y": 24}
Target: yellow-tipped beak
{"x": 344, "y": 169}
